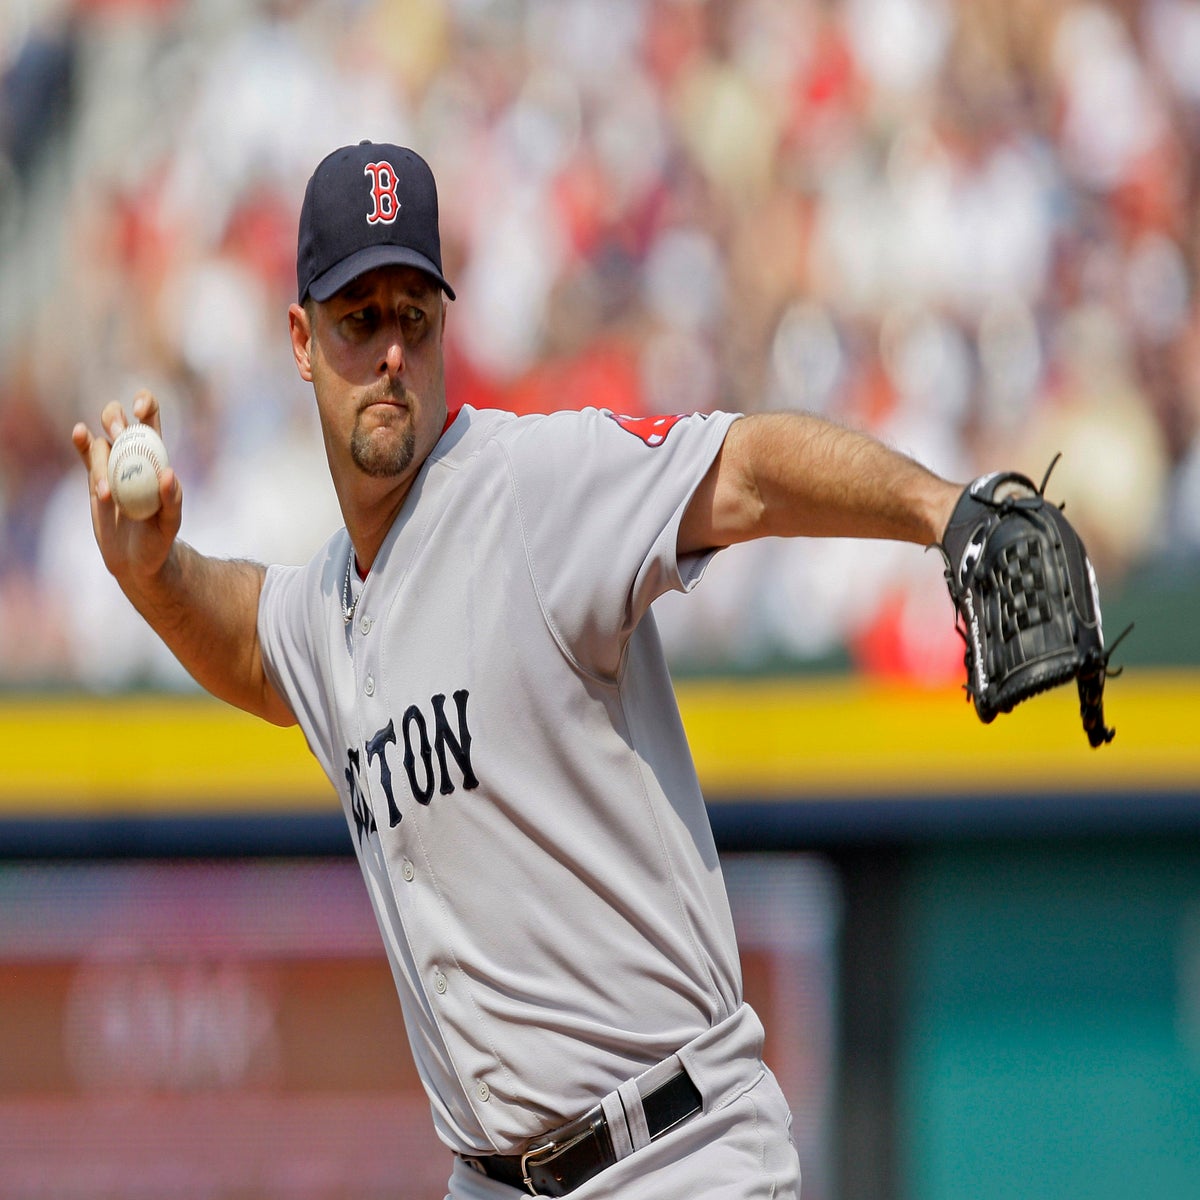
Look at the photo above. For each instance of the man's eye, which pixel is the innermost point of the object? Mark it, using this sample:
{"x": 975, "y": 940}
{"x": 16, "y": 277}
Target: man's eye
{"x": 360, "y": 319}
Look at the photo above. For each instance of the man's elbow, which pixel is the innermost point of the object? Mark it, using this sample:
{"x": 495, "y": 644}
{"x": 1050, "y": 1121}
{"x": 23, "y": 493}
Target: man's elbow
{"x": 275, "y": 709}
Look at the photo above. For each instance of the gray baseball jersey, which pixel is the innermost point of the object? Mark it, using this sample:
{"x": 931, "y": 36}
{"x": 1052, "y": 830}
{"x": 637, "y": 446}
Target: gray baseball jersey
{"x": 499, "y": 722}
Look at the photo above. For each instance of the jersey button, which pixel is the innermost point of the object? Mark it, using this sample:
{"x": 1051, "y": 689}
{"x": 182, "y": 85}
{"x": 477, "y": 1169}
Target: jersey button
{"x": 369, "y": 687}
{"x": 408, "y": 871}
{"x": 439, "y": 984}
{"x": 364, "y": 626}
{"x": 484, "y": 1091}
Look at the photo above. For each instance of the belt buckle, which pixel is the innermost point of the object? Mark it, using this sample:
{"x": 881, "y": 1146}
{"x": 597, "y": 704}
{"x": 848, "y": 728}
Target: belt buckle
{"x": 529, "y": 1157}
{"x": 568, "y": 1136}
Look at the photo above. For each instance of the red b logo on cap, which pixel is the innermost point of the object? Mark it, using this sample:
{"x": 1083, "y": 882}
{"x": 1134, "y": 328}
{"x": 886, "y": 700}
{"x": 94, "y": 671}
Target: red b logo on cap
{"x": 386, "y": 207}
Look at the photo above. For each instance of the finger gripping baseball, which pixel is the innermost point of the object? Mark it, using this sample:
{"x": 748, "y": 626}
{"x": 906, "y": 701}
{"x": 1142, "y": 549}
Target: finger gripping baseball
{"x": 1026, "y": 600}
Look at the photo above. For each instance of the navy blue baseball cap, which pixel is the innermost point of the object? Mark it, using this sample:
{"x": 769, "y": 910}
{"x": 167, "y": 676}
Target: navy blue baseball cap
{"x": 367, "y": 206}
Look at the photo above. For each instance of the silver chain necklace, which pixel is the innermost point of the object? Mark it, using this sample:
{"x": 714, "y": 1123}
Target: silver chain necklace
{"x": 348, "y": 605}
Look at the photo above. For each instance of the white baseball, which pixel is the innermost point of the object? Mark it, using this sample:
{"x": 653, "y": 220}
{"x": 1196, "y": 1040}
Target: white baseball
{"x": 135, "y": 463}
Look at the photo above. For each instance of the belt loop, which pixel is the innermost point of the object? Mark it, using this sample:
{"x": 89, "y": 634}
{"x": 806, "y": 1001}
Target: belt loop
{"x": 635, "y": 1114}
{"x": 618, "y": 1128}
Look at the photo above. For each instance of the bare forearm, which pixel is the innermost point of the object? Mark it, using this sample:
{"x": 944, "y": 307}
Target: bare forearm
{"x": 206, "y": 611}
{"x": 820, "y": 479}
{"x": 794, "y": 474}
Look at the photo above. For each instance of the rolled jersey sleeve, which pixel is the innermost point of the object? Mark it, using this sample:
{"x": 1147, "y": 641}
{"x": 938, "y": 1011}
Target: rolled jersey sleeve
{"x": 290, "y": 621}
{"x": 600, "y": 499}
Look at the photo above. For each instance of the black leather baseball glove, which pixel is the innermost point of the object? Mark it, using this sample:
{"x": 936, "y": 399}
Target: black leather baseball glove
{"x": 1026, "y": 599}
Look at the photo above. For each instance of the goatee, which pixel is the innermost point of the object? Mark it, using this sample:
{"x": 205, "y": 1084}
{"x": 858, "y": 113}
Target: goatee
{"x": 383, "y": 458}
{"x": 383, "y": 452}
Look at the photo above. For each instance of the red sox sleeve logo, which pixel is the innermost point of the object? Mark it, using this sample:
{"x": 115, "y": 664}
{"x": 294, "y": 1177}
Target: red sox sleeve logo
{"x": 652, "y": 430}
{"x": 385, "y": 203}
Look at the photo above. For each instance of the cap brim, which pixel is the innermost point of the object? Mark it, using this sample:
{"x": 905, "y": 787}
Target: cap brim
{"x": 368, "y": 259}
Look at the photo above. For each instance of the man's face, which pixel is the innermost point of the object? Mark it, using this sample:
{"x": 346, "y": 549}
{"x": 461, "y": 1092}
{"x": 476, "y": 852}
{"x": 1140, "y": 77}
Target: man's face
{"x": 373, "y": 353}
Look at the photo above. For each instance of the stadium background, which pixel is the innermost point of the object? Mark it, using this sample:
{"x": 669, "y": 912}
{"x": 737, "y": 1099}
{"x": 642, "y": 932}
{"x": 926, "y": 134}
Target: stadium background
{"x": 969, "y": 225}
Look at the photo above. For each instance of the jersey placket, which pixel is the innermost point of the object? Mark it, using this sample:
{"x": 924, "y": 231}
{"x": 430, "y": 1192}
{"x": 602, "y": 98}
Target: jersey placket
{"x": 366, "y": 810}
{"x": 401, "y": 867}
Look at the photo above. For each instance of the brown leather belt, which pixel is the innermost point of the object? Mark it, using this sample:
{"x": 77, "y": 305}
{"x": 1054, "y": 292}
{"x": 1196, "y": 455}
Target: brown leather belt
{"x": 575, "y": 1153}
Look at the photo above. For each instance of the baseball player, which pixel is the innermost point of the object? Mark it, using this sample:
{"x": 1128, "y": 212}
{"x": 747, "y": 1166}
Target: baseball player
{"x": 473, "y": 661}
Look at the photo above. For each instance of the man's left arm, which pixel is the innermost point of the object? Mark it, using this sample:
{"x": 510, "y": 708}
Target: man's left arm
{"x": 796, "y": 474}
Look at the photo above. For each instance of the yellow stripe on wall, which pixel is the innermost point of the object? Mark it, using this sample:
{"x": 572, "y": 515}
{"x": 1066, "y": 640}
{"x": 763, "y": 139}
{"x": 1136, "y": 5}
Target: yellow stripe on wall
{"x": 141, "y": 754}
{"x": 810, "y": 736}
{"x": 848, "y": 735}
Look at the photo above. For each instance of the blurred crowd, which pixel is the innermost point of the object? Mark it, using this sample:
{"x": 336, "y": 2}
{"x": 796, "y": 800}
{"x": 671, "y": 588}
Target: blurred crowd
{"x": 970, "y": 226}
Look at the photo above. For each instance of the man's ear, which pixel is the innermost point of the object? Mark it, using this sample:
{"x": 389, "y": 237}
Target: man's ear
{"x": 301, "y": 331}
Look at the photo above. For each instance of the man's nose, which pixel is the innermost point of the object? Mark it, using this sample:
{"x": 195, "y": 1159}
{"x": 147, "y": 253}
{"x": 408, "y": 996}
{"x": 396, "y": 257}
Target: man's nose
{"x": 392, "y": 362}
